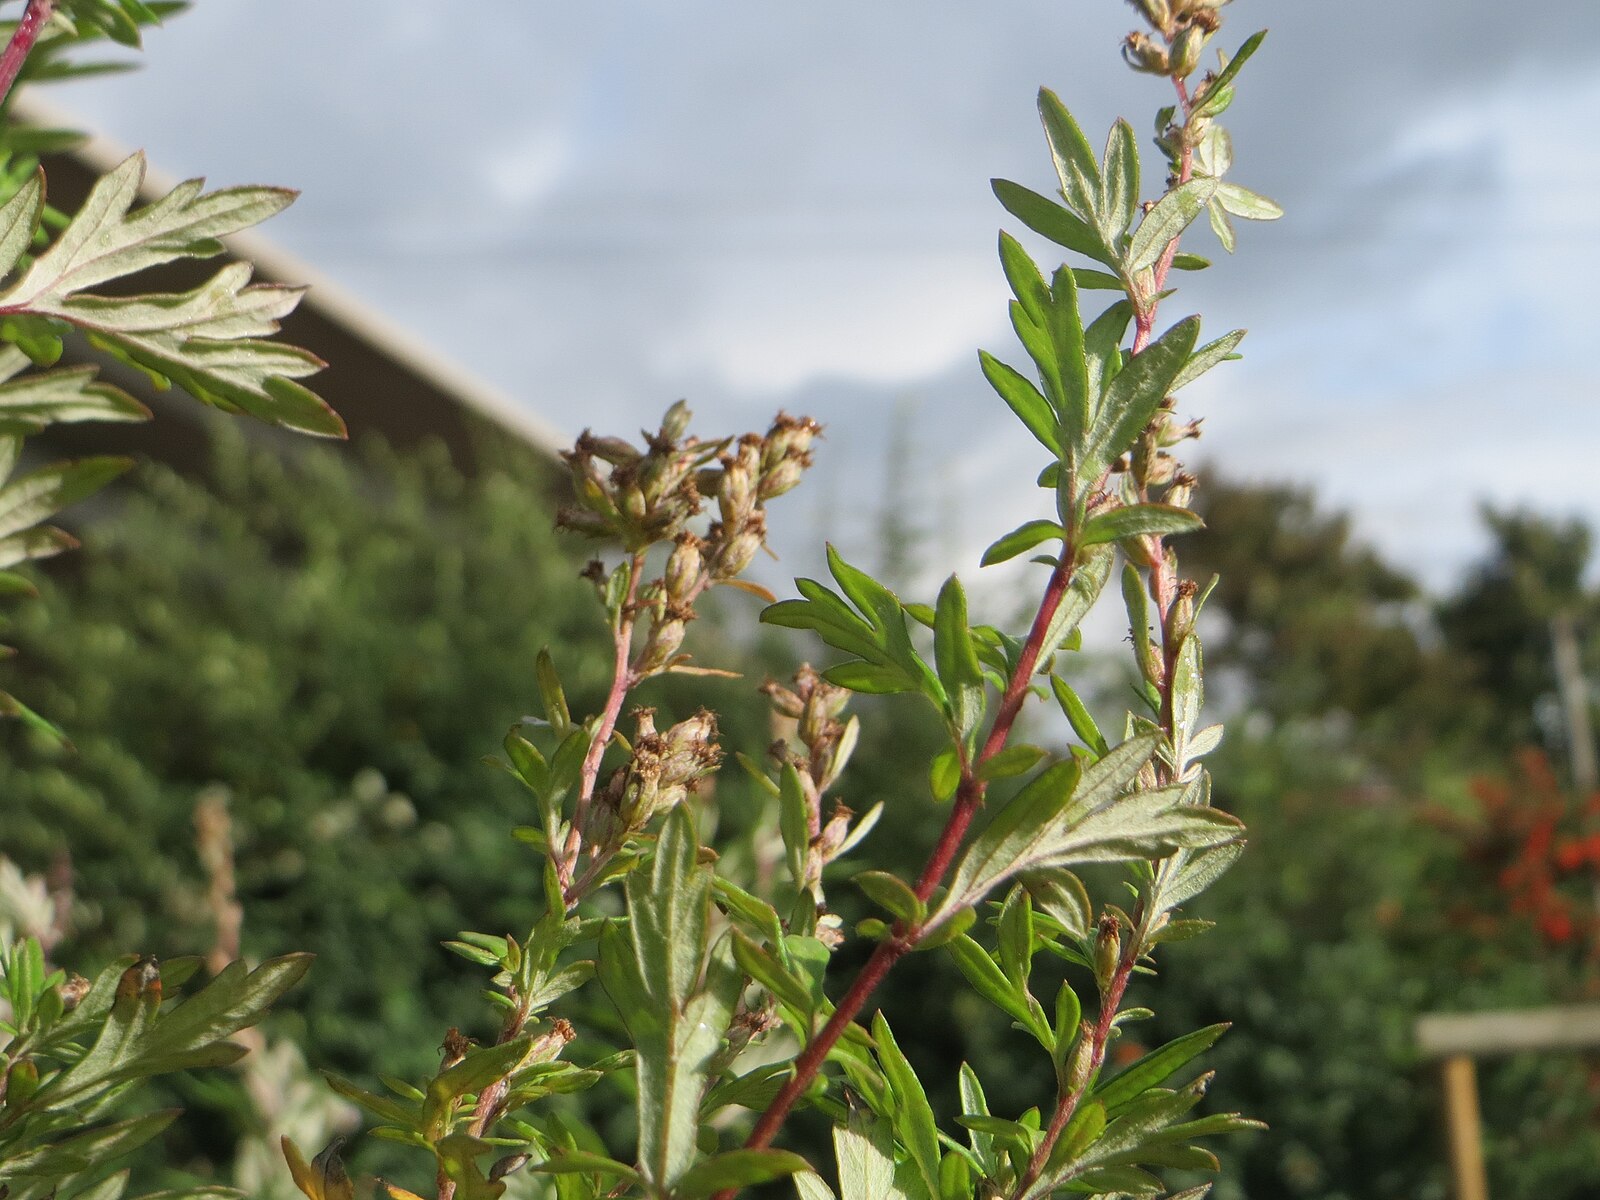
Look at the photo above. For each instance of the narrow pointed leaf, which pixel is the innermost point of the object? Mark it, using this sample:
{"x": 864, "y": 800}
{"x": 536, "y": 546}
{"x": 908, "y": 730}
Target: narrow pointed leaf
{"x": 1049, "y": 219}
{"x": 1172, "y": 214}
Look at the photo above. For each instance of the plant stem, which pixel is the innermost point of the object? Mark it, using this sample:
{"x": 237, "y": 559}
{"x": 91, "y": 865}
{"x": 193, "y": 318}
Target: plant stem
{"x": 969, "y": 799}
{"x": 1164, "y": 589}
{"x": 22, "y": 42}
{"x": 1145, "y": 319}
{"x": 622, "y": 680}
{"x": 1101, "y": 1035}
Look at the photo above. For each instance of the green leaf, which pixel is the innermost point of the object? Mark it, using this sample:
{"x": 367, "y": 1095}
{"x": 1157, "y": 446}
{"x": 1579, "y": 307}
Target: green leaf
{"x": 1132, "y": 398}
{"x": 1208, "y": 356}
{"x": 1156, "y": 1067}
{"x": 737, "y": 1169}
{"x": 752, "y": 909}
{"x": 680, "y": 1028}
{"x": 1049, "y": 219}
{"x": 1032, "y": 409}
{"x": 944, "y": 774}
{"x": 1015, "y": 926}
{"x": 974, "y": 1104}
{"x": 582, "y": 1162}
{"x": 763, "y": 967}
{"x": 1119, "y": 196}
{"x": 1090, "y": 280}
{"x": 990, "y": 982}
{"x": 865, "y": 1154}
{"x": 1209, "y": 103}
{"x": 892, "y": 894}
{"x": 41, "y": 542}
{"x": 1222, "y": 226}
{"x": 1138, "y": 520}
{"x": 1065, "y": 326}
{"x": 1074, "y": 159}
{"x": 1022, "y": 273}
{"x": 43, "y": 493}
{"x": 135, "y": 1042}
{"x": 67, "y": 395}
{"x": 794, "y": 822}
{"x": 1009, "y": 763}
{"x": 1088, "y": 580}
{"x": 67, "y": 1157}
{"x": 1069, "y": 1012}
{"x": 1141, "y": 825}
{"x": 552, "y": 693}
{"x": 1102, "y": 343}
{"x": 19, "y": 218}
{"x": 1192, "y": 873}
{"x": 1123, "y": 1180}
{"x": 407, "y": 1116}
{"x": 809, "y": 1186}
{"x": 1188, "y": 696}
{"x": 481, "y": 1067}
{"x": 1061, "y": 896}
{"x": 957, "y": 661}
{"x": 1078, "y": 716}
{"x": 870, "y": 679}
{"x": 1021, "y": 540}
{"x": 1242, "y": 202}
{"x": 1172, "y": 214}
{"x": 1015, "y": 834}
{"x": 912, "y": 1115}
{"x": 209, "y": 341}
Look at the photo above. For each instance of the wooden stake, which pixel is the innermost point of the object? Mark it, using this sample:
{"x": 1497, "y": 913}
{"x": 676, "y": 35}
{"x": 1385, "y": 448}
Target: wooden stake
{"x": 1464, "y": 1129}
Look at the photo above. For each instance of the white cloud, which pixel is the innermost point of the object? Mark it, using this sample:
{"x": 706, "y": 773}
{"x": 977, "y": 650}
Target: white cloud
{"x": 882, "y": 320}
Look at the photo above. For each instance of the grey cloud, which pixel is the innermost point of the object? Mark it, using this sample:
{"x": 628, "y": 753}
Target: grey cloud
{"x": 562, "y": 196}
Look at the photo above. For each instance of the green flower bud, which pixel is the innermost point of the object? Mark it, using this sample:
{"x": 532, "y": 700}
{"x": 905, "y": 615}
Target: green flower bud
{"x": 581, "y": 520}
{"x": 676, "y": 423}
{"x": 781, "y": 478}
{"x": 740, "y": 551}
{"x": 613, "y": 450}
{"x": 1107, "y": 953}
{"x": 784, "y": 702}
{"x": 1186, "y": 48}
{"x": 21, "y": 1082}
{"x": 684, "y": 567}
{"x": 665, "y": 639}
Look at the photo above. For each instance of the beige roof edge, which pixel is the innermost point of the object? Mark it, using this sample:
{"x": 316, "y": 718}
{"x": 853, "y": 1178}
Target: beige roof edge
{"x": 326, "y": 296}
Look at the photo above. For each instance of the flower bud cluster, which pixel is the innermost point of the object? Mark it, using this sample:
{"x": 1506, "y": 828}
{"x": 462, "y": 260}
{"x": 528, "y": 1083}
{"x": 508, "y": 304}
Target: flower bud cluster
{"x": 815, "y": 705}
{"x": 1183, "y": 28}
{"x": 638, "y": 496}
{"x": 816, "y": 708}
{"x": 649, "y": 497}
{"x": 665, "y": 768}
{"x": 1151, "y": 465}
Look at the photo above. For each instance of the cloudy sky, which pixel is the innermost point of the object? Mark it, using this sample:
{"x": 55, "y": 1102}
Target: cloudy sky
{"x": 600, "y": 207}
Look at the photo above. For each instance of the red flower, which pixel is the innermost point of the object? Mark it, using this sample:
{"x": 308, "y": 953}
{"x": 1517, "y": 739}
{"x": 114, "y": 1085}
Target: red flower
{"x": 1556, "y": 925}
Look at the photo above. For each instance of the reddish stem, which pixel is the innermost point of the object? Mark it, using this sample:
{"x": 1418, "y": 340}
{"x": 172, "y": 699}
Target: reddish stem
{"x": 22, "y": 42}
{"x": 969, "y": 799}
{"x": 1164, "y": 579}
{"x": 1145, "y": 320}
{"x": 1102, "y": 1034}
{"x": 622, "y": 680}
